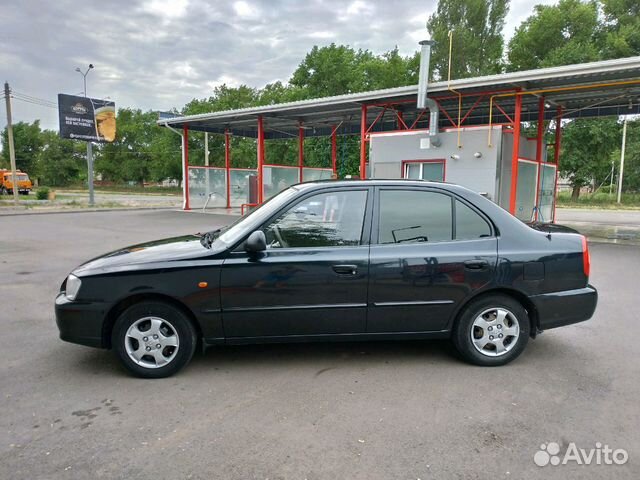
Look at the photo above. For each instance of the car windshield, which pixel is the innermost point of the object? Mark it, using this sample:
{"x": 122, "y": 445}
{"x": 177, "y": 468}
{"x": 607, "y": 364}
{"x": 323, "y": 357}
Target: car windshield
{"x": 248, "y": 223}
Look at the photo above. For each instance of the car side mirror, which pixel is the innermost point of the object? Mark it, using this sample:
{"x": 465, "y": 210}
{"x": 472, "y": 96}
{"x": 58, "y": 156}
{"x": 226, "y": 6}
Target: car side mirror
{"x": 256, "y": 242}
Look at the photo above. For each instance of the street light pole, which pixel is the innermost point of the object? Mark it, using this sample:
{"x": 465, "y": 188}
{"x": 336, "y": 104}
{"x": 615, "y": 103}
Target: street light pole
{"x": 621, "y": 173}
{"x": 89, "y": 144}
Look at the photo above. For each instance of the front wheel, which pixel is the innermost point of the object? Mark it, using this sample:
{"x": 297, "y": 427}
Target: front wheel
{"x": 154, "y": 339}
{"x": 492, "y": 331}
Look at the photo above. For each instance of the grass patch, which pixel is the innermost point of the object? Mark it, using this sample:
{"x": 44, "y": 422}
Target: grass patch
{"x": 600, "y": 200}
{"x": 124, "y": 189}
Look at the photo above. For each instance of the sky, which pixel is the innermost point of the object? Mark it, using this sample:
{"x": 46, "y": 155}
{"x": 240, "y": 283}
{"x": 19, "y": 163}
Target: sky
{"x": 160, "y": 54}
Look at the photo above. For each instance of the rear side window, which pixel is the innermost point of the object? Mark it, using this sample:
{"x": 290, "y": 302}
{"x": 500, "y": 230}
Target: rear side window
{"x": 413, "y": 216}
{"x": 470, "y": 225}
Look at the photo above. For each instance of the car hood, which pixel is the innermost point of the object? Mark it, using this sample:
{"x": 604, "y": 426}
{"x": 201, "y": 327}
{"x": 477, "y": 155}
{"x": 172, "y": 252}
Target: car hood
{"x": 166, "y": 250}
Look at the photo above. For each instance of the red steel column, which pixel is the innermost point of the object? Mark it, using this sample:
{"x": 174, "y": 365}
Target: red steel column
{"x": 515, "y": 155}
{"x": 260, "y": 158}
{"x": 300, "y": 151}
{"x": 556, "y": 151}
{"x": 334, "y": 150}
{"x": 539, "y": 146}
{"x": 227, "y": 165}
{"x": 556, "y": 158}
{"x": 400, "y": 117}
{"x": 185, "y": 150}
{"x": 363, "y": 142}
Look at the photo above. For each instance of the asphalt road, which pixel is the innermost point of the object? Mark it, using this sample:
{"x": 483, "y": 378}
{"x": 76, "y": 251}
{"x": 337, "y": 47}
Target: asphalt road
{"x": 404, "y": 410}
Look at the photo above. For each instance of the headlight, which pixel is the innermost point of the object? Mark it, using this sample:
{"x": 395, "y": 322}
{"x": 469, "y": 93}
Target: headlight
{"x": 73, "y": 285}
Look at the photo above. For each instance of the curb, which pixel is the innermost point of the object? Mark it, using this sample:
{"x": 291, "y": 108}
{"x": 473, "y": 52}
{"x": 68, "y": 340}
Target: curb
{"x": 85, "y": 210}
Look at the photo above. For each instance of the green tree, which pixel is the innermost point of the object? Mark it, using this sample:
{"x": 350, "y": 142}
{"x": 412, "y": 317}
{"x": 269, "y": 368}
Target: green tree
{"x": 631, "y": 180}
{"x": 60, "y": 161}
{"x": 327, "y": 71}
{"x": 27, "y": 142}
{"x": 141, "y": 152}
{"x": 477, "y": 37}
{"x": 339, "y": 69}
{"x": 388, "y": 70}
{"x": 223, "y": 98}
{"x": 560, "y": 34}
{"x": 587, "y": 149}
{"x": 621, "y": 27}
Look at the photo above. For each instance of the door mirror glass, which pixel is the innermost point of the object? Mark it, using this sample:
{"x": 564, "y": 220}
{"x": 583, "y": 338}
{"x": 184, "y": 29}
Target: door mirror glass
{"x": 256, "y": 242}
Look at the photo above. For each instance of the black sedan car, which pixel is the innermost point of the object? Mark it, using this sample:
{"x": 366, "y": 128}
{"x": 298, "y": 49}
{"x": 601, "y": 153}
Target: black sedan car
{"x": 339, "y": 260}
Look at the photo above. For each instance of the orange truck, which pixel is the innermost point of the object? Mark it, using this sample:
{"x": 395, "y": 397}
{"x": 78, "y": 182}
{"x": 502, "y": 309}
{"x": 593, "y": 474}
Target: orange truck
{"x": 6, "y": 182}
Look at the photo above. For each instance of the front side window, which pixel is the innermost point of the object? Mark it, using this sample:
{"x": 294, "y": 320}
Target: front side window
{"x": 412, "y": 216}
{"x": 331, "y": 219}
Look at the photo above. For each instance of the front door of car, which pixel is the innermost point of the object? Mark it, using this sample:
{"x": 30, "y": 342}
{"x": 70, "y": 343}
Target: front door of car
{"x": 429, "y": 252}
{"x": 313, "y": 277}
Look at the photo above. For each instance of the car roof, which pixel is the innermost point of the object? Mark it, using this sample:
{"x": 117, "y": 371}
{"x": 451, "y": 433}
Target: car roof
{"x": 381, "y": 182}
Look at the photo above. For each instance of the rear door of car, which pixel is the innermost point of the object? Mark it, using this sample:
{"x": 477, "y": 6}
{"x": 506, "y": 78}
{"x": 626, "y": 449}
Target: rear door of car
{"x": 314, "y": 275}
{"x": 429, "y": 251}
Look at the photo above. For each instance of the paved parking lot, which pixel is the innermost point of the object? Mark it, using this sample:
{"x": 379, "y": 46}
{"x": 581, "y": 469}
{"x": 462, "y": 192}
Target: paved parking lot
{"x": 359, "y": 411}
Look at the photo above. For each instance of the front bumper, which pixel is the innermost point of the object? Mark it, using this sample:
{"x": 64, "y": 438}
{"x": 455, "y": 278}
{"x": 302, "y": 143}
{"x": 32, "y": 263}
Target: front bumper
{"x": 564, "y": 308}
{"x": 80, "y": 322}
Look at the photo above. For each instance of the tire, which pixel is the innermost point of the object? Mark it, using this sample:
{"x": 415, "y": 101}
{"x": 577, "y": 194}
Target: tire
{"x": 162, "y": 323}
{"x": 482, "y": 322}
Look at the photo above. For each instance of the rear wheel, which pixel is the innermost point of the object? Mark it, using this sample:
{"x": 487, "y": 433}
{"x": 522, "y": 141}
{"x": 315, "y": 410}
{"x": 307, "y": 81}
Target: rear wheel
{"x": 154, "y": 339}
{"x": 492, "y": 330}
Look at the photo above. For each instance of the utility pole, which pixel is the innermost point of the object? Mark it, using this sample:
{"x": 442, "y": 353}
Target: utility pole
{"x": 89, "y": 144}
{"x": 620, "y": 175}
{"x": 12, "y": 150}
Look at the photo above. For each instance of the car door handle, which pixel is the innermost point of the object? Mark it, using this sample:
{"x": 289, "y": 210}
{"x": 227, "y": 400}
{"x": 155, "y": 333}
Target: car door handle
{"x": 345, "y": 269}
{"x": 476, "y": 264}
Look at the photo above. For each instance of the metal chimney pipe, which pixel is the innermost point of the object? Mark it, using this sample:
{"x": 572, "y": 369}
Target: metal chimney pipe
{"x": 424, "y": 102}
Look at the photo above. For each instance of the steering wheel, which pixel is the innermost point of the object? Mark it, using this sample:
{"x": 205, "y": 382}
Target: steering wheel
{"x": 278, "y": 234}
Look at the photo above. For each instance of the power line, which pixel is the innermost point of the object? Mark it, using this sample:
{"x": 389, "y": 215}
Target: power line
{"x": 31, "y": 97}
{"x": 41, "y": 104}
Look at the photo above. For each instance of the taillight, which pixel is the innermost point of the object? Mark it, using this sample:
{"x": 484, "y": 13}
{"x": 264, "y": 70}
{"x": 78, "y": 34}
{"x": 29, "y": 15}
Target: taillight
{"x": 586, "y": 258}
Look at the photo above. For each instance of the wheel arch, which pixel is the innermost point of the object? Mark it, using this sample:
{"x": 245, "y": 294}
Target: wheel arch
{"x": 122, "y": 305}
{"x": 520, "y": 297}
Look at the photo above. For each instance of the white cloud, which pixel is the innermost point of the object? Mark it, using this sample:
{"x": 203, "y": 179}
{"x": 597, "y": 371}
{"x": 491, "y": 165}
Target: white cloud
{"x": 322, "y": 34}
{"x": 167, "y": 9}
{"x": 245, "y": 10}
{"x": 358, "y": 8}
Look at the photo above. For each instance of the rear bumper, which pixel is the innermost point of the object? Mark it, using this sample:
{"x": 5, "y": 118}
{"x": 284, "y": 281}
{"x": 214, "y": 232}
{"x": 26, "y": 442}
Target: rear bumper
{"x": 564, "y": 308}
{"x": 80, "y": 322}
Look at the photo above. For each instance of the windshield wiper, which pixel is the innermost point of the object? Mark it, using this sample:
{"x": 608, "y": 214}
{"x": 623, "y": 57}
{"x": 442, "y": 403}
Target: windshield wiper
{"x": 207, "y": 239}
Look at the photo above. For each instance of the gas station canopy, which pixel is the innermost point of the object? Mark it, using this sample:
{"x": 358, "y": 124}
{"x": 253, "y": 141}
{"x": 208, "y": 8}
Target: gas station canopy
{"x": 610, "y": 87}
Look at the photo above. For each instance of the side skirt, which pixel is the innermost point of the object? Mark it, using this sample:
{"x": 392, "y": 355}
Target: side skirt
{"x": 342, "y": 337}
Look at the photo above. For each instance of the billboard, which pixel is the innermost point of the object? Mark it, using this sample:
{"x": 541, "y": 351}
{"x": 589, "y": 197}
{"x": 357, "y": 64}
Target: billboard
{"x": 88, "y": 119}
